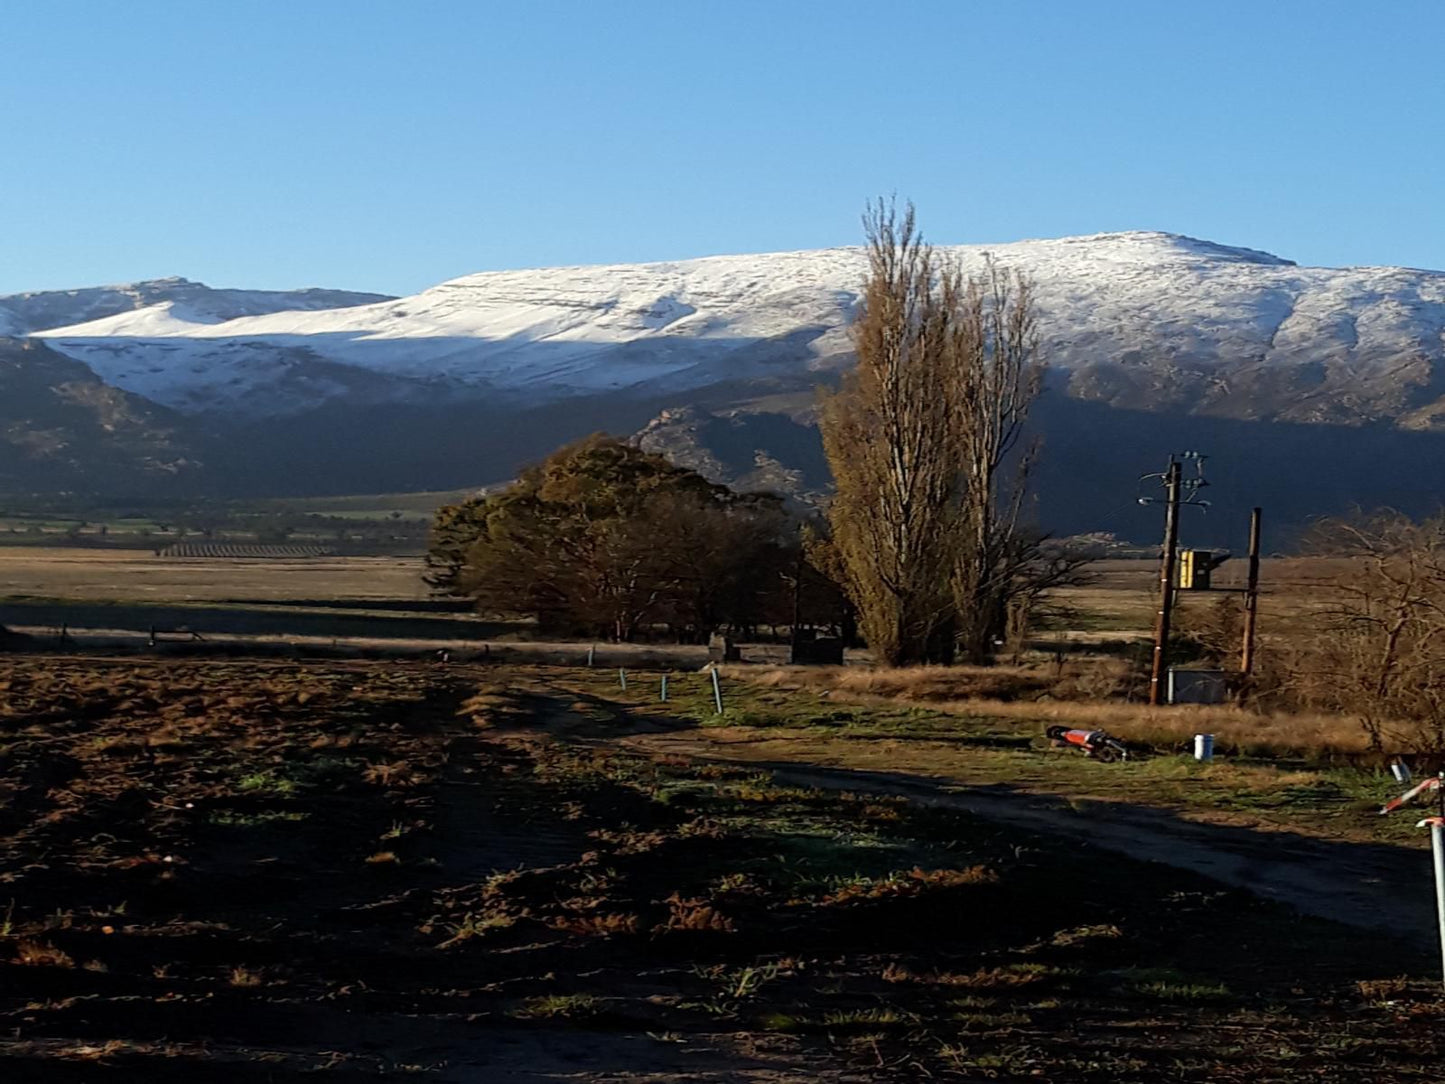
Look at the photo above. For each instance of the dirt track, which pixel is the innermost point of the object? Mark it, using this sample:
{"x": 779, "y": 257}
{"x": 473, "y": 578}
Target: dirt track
{"x": 1369, "y": 886}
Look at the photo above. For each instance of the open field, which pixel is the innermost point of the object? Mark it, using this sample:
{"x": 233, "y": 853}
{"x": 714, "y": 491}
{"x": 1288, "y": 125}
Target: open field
{"x": 1123, "y": 599}
{"x": 91, "y": 575}
{"x": 114, "y": 597}
{"x": 262, "y": 871}
{"x": 771, "y": 720}
{"x": 1117, "y": 609}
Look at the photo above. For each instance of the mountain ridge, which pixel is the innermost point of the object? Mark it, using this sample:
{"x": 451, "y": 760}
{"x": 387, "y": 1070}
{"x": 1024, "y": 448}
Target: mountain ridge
{"x": 1135, "y": 318}
{"x": 1153, "y": 339}
{"x": 42, "y": 310}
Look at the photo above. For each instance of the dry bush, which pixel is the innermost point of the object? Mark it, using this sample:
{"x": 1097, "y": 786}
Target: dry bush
{"x": 913, "y": 883}
{"x": 695, "y": 914}
{"x": 1377, "y": 652}
{"x": 1211, "y": 629}
{"x": 40, "y": 954}
{"x": 398, "y": 774}
{"x": 604, "y": 925}
{"x": 495, "y": 706}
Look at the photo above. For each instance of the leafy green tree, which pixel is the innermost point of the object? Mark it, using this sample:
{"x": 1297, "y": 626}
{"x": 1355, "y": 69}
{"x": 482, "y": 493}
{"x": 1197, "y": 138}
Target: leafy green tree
{"x": 453, "y": 530}
{"x": 607, "y": 539}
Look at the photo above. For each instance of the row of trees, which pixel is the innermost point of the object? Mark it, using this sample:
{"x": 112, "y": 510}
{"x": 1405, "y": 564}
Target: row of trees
{"x": 604, "y": 539}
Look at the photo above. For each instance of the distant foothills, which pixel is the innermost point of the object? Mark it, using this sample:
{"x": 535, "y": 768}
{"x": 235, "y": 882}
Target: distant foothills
{"x": 1311, "y": 389}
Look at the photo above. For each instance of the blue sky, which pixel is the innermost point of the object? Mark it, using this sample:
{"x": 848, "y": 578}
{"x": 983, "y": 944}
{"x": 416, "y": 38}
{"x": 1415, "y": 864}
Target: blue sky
{"x": 388, "y": 146}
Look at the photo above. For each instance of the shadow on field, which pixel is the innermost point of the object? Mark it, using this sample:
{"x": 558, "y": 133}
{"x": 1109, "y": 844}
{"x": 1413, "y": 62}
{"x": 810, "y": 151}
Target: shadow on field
{"x": 1369, "y": 886}
{"x": 246, "y": 621}
{"x": 1375, "y": 887}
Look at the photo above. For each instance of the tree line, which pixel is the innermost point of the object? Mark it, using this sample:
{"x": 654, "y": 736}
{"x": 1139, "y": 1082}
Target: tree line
{"x": 604, "y": 539}
{"x": 925, "y": 543}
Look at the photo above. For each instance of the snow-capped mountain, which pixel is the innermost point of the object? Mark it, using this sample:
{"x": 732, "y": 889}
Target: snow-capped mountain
{"x": 1323, "y": 386}
{"x": 1147, "y": 320}
{"x": 191, "y": 302}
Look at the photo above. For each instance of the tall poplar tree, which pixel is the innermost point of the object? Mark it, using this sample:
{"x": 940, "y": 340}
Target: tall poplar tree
{"x": 919, "y": 437}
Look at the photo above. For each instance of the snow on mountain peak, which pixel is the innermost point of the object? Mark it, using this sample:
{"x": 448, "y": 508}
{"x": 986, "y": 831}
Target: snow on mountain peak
{"x": 48, "y": 309}
{"x": 1133, "y": 301}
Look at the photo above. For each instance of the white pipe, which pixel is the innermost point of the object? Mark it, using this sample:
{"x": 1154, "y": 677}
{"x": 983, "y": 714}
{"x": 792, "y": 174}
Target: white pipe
{"x": 1437, "y": 848}
{"x": 716, "y": 691}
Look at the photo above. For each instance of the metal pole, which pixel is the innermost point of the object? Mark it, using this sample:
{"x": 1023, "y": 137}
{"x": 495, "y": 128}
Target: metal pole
{"x": 1251, "y": 596}
{"x": 664, "y": 688}
{"x": 622, "y": 677}
{"x": 716, "y": 691}
{"x": 1437, "y": 850}
{"x": 1166, "y": 583}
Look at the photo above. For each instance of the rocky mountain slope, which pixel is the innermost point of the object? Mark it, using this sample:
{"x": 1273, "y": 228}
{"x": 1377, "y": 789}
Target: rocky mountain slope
{"x": 63, "y": 429}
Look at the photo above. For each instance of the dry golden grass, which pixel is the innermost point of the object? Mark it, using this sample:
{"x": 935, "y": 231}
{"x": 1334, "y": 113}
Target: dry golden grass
{"x": 1033, "y": 695}
{"x": 1122, "y": 600}
{"x": 1232, "y": 727}
{"x": 1093, "y": 678}
{"x": 96, "y": 575}
{"x": 30, "y": 953}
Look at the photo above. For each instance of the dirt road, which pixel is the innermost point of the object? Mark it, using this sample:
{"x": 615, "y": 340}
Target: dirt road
{"x": 1370, "y": 886}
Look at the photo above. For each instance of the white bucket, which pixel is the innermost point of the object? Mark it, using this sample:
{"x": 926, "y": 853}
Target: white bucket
{"x": 1204, "y": 747}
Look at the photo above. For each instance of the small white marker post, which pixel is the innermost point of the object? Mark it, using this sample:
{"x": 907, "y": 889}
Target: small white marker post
{"x": 591, "y": 651}
{"x": 1436, "y": 824}
{"x": 716, "y": 691}
{"x": 622, "y": 677}
{"x": 664, "y": 689}
{"x": 1437, "y": 850}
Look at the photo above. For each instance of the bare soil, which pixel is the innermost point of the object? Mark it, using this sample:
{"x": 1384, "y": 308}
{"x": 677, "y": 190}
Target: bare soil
{"x": 247, "y": 871}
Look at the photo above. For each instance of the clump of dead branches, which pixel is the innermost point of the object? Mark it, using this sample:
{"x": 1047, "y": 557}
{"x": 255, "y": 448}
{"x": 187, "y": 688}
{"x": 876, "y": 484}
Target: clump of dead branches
{"x": 1376, "y": 651}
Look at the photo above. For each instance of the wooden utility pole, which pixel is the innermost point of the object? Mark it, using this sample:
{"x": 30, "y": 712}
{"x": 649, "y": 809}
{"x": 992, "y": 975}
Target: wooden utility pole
{"x": 1166, "y": 582}
{"x": 1251, "y": 597}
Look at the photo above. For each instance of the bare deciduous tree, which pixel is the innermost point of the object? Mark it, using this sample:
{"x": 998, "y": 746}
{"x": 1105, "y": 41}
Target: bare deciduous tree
{"x": 1378, "y": 650}
{"x": 1000, "y": 375}
{"x": 920, "y": 436}
{"x": 891, "y": 436}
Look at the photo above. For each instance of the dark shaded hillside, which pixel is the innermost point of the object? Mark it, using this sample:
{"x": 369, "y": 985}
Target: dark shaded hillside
{"x": 62, "y": 428}
{"x": 1093, "y": 455}
{"x": 1088, "y": 476}
{"x": 407, "y": 447}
